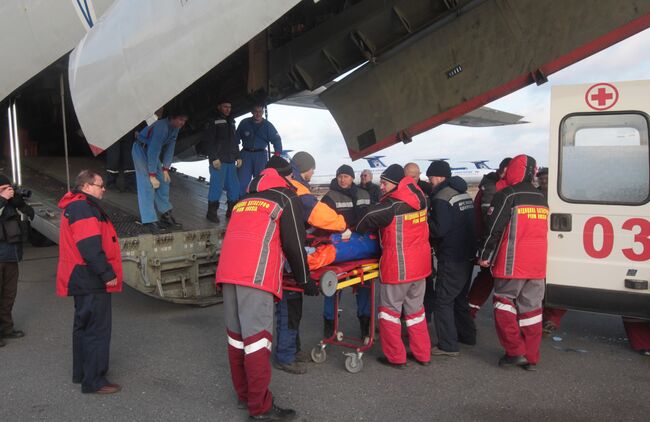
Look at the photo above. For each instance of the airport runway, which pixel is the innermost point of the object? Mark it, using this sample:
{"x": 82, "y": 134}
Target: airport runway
{"x": 172, "y": 363}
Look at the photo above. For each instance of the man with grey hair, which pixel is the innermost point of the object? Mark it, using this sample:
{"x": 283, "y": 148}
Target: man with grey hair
{"x": 366, "y": 184}
{"x": 89, "y": 269}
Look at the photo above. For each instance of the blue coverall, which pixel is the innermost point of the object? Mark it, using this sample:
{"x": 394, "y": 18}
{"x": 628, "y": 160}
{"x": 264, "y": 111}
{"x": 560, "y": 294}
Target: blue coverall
{"x": 254, "y": 138}
{"x": 155, "y": 141}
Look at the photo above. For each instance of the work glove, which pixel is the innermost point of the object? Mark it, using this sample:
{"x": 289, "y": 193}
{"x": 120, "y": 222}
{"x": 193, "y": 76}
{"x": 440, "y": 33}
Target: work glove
{"x": 154, "y": 182}
{"x": 345, "y": 236}
{"x": 277, "y": 153}
{"x": 310, "y": 288}
{"x": 166, "y": 177}
{"x": 238, "y": 163}
{"x": 217, "y": 164}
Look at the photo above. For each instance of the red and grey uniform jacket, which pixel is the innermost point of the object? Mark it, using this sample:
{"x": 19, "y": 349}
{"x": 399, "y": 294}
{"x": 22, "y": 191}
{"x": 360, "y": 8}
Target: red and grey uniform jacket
{"x": 401, "y": 218}
{"x": 517, "y": 224}
{"x": 89, "y": 252}
{"x": 265, "y": 227}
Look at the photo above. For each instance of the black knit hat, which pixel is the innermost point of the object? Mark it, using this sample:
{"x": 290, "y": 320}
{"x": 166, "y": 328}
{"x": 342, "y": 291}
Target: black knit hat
{"x": 4, "y": 180}
{"x": 345, "y": 169}
{"x": 280, "y": 164}
{"x": 303, "y": 161}
{"x": 393, "y": 173}
{"x": 439, "y": 168}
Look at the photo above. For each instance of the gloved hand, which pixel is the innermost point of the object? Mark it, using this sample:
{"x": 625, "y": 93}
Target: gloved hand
{"x": 310, "y": 288}
{"x": 345, "y": 236}
{"x": 217, "y": 164}
{"x": 238, "y": 163}
{"x": 277, "y": 153}
{"x": 154, "y": 182}
{"x": 166, "y": 177}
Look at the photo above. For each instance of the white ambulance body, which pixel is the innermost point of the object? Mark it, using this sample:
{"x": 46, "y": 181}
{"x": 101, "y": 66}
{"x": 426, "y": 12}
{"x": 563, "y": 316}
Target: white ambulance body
{"x": 599, "y": 198}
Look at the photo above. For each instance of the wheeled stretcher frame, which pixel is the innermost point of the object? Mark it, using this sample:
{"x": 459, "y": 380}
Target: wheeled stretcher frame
{"x": 331, "y": 279}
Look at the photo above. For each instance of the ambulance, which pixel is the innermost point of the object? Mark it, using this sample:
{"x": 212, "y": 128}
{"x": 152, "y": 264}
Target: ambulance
{"x": 599, "y": 198}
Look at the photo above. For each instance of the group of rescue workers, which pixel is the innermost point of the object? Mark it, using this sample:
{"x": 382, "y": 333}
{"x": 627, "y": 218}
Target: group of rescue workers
{"x": 432, "y": 234}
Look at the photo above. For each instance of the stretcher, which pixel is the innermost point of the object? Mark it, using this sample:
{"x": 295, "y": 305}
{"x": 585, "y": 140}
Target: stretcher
{"x": 331, "y": 279}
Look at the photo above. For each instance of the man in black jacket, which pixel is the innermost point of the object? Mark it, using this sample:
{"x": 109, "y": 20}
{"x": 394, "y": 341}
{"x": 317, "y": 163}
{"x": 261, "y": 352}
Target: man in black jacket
{"x": 220, "y": 145}
{"x": 366, "y": 184}
{"x": 453, "y": 237}
{"x": 11, "y": 251}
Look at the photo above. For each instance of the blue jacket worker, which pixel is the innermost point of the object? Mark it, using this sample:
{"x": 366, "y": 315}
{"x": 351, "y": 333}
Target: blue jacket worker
{"x": 221, "y": 146}
{"x": 153, "y": 152}
{"x": 256, "y": 133}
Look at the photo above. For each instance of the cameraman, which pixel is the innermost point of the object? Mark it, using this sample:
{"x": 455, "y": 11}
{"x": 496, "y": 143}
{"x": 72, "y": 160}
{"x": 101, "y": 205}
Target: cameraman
{"x": 11, "y": 251}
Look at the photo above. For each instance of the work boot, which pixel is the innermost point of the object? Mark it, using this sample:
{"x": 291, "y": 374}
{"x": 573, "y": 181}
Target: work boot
{"x": 111, "y": 180}
{"x": 384, "y": 361}
{"x": 275, "y": 414}
{"x": 154, "y": 228}
{"x": 130, "y": 184}
{"x": 213, "y": 207}
{"x": 302, "y": 357}
{"x": 292, "y": 368}
{"x": 435, "y": 351}
{"x": 231, "y": 205}
{"x": 168, "y": 220}
{"x": 328, "y": 328}
{"x": 364, "y": 323}
{"x": 14, "y": 334}
{"x": 510, "y": 361}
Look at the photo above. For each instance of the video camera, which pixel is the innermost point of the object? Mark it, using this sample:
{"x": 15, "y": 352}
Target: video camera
{"x": 21, "y": 192}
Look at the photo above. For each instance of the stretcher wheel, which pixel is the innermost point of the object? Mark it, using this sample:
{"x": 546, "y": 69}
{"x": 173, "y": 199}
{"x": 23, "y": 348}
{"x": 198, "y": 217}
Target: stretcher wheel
{"x": 339, "y": 336}
{"x": 328, "y": 282}
{"x": 353, "y": 364}
{"x": 318, "y": 354}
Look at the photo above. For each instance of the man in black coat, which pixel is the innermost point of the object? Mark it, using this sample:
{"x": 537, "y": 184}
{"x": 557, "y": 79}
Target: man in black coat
{"x": 220, "y": 144}
{"x": 453, "y": 237}
{"x": 11, "y": 252}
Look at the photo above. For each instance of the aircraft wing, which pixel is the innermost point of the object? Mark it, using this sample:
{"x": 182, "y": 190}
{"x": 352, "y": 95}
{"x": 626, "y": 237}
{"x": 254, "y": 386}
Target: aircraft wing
{"x": 466, "y": 59}
{"x": 35, "y": 33}
{"x": 144, "y": 52}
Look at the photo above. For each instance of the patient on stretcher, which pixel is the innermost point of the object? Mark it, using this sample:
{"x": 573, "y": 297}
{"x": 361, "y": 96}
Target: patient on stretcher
{"x": 333, "y": 249}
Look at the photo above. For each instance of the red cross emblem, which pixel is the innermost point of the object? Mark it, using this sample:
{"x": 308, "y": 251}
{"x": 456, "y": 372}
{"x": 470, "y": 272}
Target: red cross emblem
{"x": 601, "y": 96}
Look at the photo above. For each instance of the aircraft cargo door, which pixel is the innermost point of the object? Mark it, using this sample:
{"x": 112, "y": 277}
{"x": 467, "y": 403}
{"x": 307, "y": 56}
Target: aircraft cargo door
{"x": 599, "y": 198}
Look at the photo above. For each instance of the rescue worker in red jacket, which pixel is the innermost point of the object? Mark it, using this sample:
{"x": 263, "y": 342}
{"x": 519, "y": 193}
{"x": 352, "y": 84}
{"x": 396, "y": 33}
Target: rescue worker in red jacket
{"x": 401, "y": 219}
{"x": 484, "y": 282}
{"x": 89, "y": 269}
{"x": 265, "y": 227}
{"x": 515, "y": 247}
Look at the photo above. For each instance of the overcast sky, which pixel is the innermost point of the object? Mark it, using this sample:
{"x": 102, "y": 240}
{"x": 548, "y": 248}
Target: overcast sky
{"x": 316, "y": 131}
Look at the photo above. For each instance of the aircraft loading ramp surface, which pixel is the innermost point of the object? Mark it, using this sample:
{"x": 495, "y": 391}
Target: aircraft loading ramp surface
{"x": 178, "y": 266}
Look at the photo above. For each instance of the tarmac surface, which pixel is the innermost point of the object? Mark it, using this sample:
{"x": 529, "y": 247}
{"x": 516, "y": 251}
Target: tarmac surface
{"x": 171, "y": 361}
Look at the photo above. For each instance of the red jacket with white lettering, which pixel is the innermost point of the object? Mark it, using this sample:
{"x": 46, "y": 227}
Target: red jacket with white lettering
{"x": 265, "y": 227}
{"x": 89, "y": 252}
{"x": 401, "y": 218}
{"x": 517, "y": 225}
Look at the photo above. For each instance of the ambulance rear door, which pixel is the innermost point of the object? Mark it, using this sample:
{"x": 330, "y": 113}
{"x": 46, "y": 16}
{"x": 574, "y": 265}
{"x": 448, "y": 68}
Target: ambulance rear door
{"x": 599, "y": 198}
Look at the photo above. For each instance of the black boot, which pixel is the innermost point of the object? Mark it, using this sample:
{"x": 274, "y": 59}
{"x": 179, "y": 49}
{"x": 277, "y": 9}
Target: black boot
{"x": 129, "y": 181}
{"x": 231, "y": 205}
{"x": 168, "y": 220}
{"x": 213, "y": 207}
{"x": 328, "y": 328}
{"x": 364, "y": 323}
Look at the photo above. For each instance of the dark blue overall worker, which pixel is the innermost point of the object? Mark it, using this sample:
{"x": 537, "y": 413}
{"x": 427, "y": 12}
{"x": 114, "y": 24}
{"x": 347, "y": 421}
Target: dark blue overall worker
{"x": 155, "y": 143}
{"x": 220, "y": 144}
{"x": 256, "y": 133}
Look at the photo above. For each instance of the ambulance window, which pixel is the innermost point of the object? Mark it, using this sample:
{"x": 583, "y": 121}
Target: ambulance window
{"x": 605, "y": 159}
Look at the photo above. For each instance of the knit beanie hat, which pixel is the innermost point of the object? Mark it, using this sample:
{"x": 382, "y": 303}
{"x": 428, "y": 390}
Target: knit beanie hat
{"x": 345, "y": 169}
{"x": 280, "y": 164}
{"x": 4, "y": 180}
{"x": 393, "y": 173}
{"x": 439, "y": 168}
{"x": 303, "y": 161}
{"x": 504, "y": 163}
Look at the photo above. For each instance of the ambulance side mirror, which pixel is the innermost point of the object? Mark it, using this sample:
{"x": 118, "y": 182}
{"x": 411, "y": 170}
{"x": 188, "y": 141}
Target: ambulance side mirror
{"x": 560, "y": 222}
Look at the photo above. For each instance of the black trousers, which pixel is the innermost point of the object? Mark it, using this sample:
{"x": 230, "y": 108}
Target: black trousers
{"x": 8, "y": 291}
{"x": 450, "y": 308}
{"x": 91, "y": 338}
{"x": 119, "y": 158}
